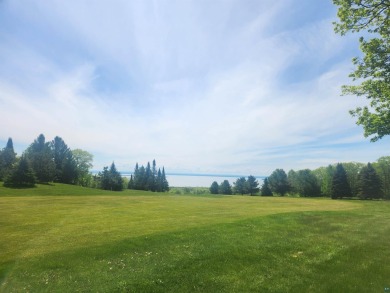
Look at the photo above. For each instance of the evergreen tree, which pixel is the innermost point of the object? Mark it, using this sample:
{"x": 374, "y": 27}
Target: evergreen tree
{"x": 159, "y": 182}
{"x": 382, "y": 167}
{"x": 265, "y": 190}
{"x": 225, "y": 188}
{"x": 149, "y": 178}
{"x": 7, "y": 159}
{"x": 21, "y": 176}
{"x": 278, "y": 182}
{"x": 214, "y": 188}
{"x": 69, "y": 169}
{"x": 340, "y": 185}
{"x": 369, "y": 183}
{"x": 111, "y": 179}
{"x": 153, "y": 181}
{"x": 41, "y": 158}
{"x": 240, "y": 186}
{"x": 130, "y": 185}
{"x": 165, "y": 184}
{"x": 252, "y": 185}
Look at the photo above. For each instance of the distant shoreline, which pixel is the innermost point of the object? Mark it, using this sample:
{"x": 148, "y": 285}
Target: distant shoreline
{"x": 128, "y": 173}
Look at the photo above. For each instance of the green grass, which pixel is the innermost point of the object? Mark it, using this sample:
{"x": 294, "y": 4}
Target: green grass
{"x": 70, "y": 239}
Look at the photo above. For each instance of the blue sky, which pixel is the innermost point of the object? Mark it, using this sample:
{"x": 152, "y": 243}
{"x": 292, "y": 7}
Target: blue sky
{"x": 220, "y": 86}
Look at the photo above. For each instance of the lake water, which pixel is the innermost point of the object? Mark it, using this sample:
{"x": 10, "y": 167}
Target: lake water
{"x": 198, "y": 180}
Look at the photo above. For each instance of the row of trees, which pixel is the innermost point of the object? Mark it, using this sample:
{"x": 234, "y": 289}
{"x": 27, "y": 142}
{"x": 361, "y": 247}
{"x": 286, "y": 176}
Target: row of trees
{"x": 44, "y": 162}
{"x": 149, "y": 178}
{"x": 241, "y": 186}
{"x": 54, "y": 161}
{"x": 365, "y": 181}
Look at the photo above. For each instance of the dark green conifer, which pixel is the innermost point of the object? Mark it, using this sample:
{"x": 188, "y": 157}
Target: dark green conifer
{"x": 340, "y": 185}
{"x": 369, "y": 183}
{"x": 265, "y": 190}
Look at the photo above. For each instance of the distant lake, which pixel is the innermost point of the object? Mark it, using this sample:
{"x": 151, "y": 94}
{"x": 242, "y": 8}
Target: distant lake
{"x": 198, "y": 180}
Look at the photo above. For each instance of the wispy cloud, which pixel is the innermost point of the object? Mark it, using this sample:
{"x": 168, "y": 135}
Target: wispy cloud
{"x": 220, "y": 86}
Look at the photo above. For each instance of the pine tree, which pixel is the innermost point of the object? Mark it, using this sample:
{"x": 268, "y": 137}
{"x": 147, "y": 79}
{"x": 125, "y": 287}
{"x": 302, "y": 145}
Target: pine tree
{"x": 369, "y": 183}
{"x": 41, "y": 158}
{"x": 278, "y": 182}
{"x": 111, "y": 179}
{"x": 130, "y": 185}
{"x": 225, "y": 188}
{"x": 214, "y": 188}
{"x": 7, "y": 159}
{"x": 21, "y": 176}
{"x": 240, "y": 186}
{"x": 265, "y": 190}
{"x": 340, "y": 185}
{"x": 252, "y": 185}
{"x": 165, "y": 184}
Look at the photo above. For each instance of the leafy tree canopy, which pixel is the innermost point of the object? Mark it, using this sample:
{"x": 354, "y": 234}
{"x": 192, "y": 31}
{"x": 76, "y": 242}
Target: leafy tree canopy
{"x": 373, "y": 70}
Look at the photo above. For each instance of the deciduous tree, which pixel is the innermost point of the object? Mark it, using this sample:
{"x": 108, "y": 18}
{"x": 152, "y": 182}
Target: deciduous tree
{"x": 371, "y": 17}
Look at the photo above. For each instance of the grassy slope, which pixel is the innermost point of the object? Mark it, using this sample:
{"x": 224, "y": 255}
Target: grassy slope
{"x": 101, "y": 241}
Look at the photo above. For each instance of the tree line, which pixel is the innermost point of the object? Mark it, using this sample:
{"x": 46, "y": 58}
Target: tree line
{"x": 149, "y": 178}
{"x": 342, "y": 180}
{"x": 53, "y": 161}
{"x": 44, "y": 162}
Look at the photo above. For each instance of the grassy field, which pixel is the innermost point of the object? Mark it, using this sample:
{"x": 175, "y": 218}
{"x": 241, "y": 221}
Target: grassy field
{"x": 70, "y": 239}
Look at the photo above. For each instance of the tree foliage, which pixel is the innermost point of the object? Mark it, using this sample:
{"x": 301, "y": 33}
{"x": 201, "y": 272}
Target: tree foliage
{"x": 225, "y": 188}
{"x": 382, "y": 167}
{"x": 278, "y": 182}
{"x": 111, "y": 179}
{"x": 149, "y": 178}
{"x": 7, "y": 159}
{"x": 83, "y": 161}
{"x": 265, "y": 189}
{"x": 214, "y": 188}
{"x": 240, "y": 186}
{"x": 40, "y": 155}
{"x": 304, "y": 183}
{"x": 369, "y": 183}
{"x": 21, "y": 176}
{"x": 340, "y": 185}
{"x": 252, "y": 185}
{"x": 325, "y": 176}
{"x": 373, "y": 70}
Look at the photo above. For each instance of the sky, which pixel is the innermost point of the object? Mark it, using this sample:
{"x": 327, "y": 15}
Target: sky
{"x": 201, "y": 86}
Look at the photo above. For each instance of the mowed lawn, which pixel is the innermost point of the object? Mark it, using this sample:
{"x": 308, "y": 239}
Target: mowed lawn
{"x": 71, "y": 239}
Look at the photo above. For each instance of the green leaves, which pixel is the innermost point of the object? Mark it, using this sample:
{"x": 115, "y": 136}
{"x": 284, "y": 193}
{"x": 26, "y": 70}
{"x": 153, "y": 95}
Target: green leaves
{"x": 373, "y": 17}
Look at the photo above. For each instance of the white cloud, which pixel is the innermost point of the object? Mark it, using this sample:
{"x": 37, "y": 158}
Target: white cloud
{"x": 199, "y": 86}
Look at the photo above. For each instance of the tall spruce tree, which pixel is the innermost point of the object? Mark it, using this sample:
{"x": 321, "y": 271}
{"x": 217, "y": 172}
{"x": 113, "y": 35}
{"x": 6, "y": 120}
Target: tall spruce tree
{"x": 165, "y": 184}
{"x": 7, "y": 159}
{"x": 252, "y": 185}
{"x": 41, "y": 158}
{"x": 369, "y": 183}
{"x": 340, "y": 185}
{"x": 265, "y": 190}
{"x": 65, "y": 164}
